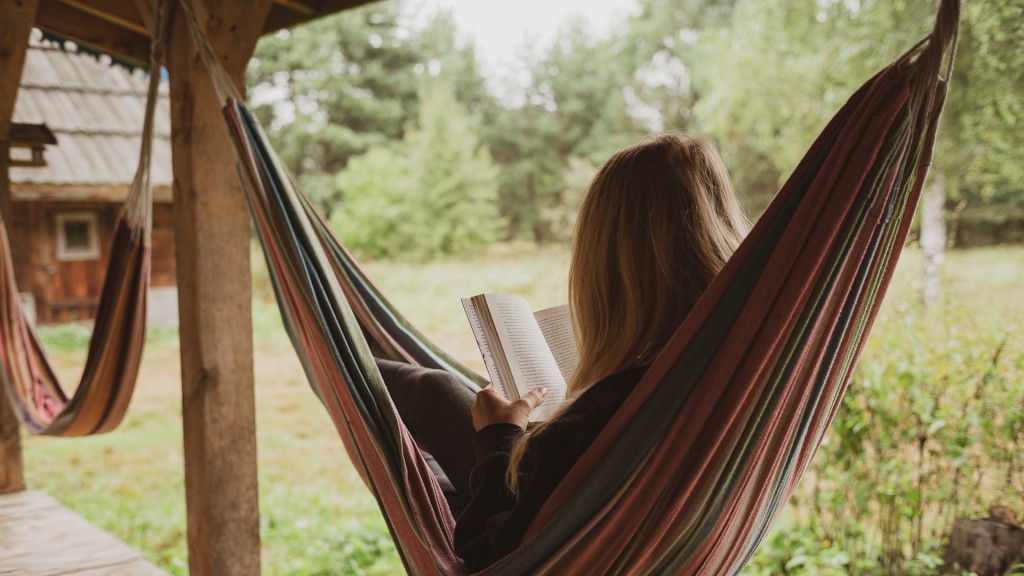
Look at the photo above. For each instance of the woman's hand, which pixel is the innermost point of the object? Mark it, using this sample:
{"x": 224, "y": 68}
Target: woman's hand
{"x": 490, "y": 408}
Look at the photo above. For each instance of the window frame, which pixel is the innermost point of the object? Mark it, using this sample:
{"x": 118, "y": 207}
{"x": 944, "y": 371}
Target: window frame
{"x": 65, "y": 253}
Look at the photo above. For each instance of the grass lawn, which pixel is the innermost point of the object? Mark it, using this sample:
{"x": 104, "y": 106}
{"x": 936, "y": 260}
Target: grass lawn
{"x": 316, "y": 516}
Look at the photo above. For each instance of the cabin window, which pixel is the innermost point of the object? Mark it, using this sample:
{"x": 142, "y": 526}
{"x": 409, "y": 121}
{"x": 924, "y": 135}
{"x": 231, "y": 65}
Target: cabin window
{"x": 77, "y": 236}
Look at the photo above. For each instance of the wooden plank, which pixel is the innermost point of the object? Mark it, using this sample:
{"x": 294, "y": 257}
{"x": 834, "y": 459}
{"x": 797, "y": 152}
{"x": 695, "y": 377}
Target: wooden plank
{"x": 130, "y": 568}
{"x": 6, "y": 212}
{"x": 81, "y": 193}
{"x": 119, "y": 27}
{"x": 301, "y": 7}
{"x": 118, "y": 12}
{"x": 146, "y": 9}
{"x": 214, "y": 297}
{"x": 286, "y": 14}
{"x": 42, "y": 248}
{"x": 16, "y": 20}
{"x": 163, "y": 246}
{"x": 18, "y": 232}
{"x": 40, "y": 537}
{"x": 89, "y": 30}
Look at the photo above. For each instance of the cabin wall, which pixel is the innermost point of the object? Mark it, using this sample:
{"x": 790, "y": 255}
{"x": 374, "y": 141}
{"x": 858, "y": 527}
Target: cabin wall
{"x": 66, "y": 289}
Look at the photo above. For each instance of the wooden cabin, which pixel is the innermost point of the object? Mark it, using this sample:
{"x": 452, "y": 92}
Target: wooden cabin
{"x": 72, "y": 164}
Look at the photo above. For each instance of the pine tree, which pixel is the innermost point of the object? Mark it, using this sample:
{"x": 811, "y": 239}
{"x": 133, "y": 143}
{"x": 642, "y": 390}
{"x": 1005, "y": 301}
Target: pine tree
{"x": 336, "y": 88}
{"x": 433, "y": 194}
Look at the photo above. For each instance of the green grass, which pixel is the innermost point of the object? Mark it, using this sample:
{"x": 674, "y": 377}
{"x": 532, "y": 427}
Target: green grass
{"x": 316, "y": 516}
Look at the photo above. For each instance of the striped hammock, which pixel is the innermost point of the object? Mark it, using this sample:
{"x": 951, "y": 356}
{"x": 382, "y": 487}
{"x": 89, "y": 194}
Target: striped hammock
{"x": 691, "y": 471}
{"x": 115, "y": 348}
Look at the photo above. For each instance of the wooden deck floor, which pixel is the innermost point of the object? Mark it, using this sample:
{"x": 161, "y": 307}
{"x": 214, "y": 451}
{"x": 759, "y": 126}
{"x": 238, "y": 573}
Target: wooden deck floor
{"x": 40, "y": 537}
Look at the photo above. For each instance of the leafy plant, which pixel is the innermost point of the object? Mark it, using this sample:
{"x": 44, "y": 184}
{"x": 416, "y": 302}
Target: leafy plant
{"x": 929, "y": 431}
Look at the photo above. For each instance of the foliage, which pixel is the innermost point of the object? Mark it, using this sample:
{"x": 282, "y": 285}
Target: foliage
{"x": 981, "y": 139}
{"x": 336, "y": 87}
{"x": 781, "y": 68}
{"x": 574, "y": 109}
{"x": 666, "y": 47}
{"x": 797, "y": 551}
{"x": 451, "y": 61}
{"x": 760, "y": 77}
{"x": 522, "y": 141}
{"x": 929, "y": 431}
{"x": 435, "y": 193}
{"x": 69, "y": 337}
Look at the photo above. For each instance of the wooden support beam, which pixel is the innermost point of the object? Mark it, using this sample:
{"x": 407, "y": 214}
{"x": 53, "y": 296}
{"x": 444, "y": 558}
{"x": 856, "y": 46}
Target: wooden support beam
{"x": 89, "y": 29}
{"x": 84, "y": 193}
{"x": 288, "y": 13}
{"x": 146, "y": 9}
{"x": 301, "y": 7}
{"x": 12, "y": 477}
{"x": 214, "y": 297}
{"x": 118, "y": 12}
{"x": 5, "y": 188}
{"x": 16, "y": 20}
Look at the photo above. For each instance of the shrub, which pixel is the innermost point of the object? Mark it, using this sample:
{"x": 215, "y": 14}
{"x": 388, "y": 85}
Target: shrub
{"x": 929, "y": 431}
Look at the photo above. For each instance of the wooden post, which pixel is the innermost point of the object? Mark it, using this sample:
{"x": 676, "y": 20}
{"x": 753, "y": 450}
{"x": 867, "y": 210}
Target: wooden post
{"x": 16, "y": 20}
{"x": 214, "y": 296}
{"x": 12, "y": 478}
{"x": 6, "y": 210}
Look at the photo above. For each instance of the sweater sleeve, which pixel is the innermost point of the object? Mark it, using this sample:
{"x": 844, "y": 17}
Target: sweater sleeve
{"x": 494, "y": 522}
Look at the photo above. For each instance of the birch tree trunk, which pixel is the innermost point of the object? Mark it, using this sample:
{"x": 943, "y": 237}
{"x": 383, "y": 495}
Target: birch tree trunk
{"x": 933, "y": 238}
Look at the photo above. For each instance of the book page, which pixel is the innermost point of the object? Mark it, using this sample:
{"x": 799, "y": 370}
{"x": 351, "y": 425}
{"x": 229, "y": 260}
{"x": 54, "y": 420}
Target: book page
{"x": 529, "y": 357}
{"x": 556, "y": 325}
{"x": 485, "y": 349}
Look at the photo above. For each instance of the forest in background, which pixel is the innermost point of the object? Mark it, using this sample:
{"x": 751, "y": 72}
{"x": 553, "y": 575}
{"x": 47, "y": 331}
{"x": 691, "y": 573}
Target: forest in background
{"x": 412, "y": 151}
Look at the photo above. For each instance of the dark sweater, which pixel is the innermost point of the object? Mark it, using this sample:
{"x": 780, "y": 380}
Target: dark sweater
{"x": 495, "y": 520}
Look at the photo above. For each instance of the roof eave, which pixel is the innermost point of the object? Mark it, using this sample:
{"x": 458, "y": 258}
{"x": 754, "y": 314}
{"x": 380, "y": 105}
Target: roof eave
{"x": 115, "y": 27}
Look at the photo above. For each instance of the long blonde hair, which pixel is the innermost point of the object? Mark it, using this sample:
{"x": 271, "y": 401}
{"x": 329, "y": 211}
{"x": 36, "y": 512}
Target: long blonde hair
{"x": 655, "y": 226}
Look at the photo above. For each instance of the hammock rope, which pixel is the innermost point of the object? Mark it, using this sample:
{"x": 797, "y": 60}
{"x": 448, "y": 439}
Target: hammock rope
{"x": 691, "y": 471}
{"x": 115, "y": 348}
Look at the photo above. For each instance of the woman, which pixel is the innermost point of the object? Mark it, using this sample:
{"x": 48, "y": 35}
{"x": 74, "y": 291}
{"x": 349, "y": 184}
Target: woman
{"x": 656, "y": 225}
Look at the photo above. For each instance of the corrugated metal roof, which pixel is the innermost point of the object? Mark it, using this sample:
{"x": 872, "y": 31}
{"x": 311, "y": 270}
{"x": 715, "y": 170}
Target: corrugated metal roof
{"x": 96, "y": 112}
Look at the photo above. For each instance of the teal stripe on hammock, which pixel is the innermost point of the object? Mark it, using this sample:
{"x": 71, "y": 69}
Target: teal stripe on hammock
{"x": 864, "y": 293}
{"x": 833, "y": 348}
{"x": 425, "y": 352}
{"x": 337, "y": 328}
{"x": 869, "y": 280}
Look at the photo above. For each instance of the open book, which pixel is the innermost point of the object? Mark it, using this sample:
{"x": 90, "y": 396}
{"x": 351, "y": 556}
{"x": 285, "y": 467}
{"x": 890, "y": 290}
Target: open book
{"x": 523, "y": 350}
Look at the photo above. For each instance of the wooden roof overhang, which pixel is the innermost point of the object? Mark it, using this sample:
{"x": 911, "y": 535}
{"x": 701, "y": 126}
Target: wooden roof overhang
{"x": 35, "y": 137}
{"x": 117, "y": 28}
{"x": 31, "y": 134}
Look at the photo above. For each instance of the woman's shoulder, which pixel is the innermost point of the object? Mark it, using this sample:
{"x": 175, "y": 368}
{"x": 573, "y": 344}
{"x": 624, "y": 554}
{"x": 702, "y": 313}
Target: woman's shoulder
{"x": 606, "y": 395}
{"x": 618, "y": 384}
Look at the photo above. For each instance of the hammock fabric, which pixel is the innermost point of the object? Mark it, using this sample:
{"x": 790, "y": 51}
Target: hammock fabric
{"x": 691, "y": 471}
{"x": 115, "y": 348}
